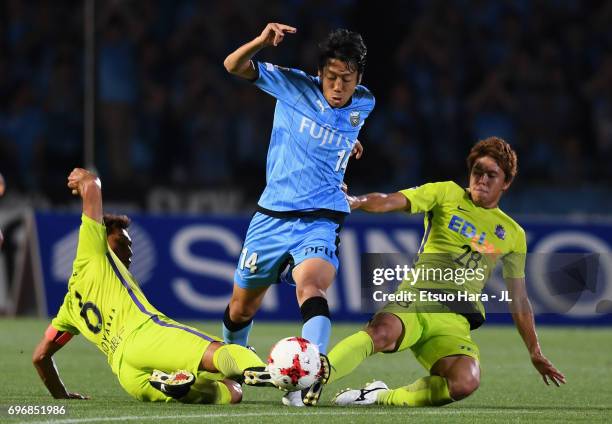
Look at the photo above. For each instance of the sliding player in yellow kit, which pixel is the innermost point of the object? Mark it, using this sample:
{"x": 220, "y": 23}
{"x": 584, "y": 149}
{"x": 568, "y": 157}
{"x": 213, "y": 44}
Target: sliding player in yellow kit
{"x": 154, "y": 357}
{"x": 464, "y": 229}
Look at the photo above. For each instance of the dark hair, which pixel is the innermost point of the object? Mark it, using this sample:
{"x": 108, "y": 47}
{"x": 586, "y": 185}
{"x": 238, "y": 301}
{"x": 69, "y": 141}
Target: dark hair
{"x": 499, "y": 150}
{"x": 344, "y": 45}
{"x": 112, "y": 222}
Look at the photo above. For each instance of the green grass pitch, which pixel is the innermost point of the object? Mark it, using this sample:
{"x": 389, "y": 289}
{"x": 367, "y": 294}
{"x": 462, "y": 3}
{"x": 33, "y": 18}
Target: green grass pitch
{"x": 511, "y": 390}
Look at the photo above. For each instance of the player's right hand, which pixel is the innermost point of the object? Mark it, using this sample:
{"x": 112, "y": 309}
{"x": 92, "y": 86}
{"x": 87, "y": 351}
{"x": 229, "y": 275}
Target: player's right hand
{"x": 273, "y": 34}
{"x": 547, "y": 370}
{"x": 80, "y": 176}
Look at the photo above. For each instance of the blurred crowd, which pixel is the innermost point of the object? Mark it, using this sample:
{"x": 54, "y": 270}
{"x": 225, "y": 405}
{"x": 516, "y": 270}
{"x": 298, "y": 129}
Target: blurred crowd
{"x": 445, "y": 74}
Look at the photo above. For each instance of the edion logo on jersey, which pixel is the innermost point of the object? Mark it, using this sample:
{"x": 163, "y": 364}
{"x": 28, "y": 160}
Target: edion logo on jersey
{"x": 466, "y": 229}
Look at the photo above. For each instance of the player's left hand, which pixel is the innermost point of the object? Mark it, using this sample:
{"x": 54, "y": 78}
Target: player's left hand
{"x": 547, "y": 370}
{"x": 357, "y": 150}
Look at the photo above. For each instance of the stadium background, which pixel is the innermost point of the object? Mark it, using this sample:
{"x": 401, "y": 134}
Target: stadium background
{"x": 180, "y": 144}
{"x": 445, "y": 73}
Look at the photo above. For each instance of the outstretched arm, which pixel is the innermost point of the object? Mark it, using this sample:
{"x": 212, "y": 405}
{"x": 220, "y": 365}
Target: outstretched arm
{"x": 42, "y": 359}
{"x": 239, "y": 62}
{"x": 89, "y": 187}
{"x": 522, "y": 314}
{"x": 379, "y": 202}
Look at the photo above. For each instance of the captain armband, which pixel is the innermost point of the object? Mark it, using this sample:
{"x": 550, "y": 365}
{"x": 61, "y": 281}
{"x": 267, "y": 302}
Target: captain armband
{"x": 60, "y": 337}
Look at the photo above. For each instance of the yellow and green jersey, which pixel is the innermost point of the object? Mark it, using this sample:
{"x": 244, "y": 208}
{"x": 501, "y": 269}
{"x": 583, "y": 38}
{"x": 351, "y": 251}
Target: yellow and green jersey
{"x": 460, "y": 236}
{"x": 104, "y": 302}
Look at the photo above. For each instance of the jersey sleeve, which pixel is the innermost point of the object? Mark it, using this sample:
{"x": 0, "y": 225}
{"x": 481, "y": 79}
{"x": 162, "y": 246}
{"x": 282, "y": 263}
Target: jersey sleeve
{"x": 514, "y": 262}
{"x": 366, "y": 99}
{"x": 371, "y": 103}
{"x": 92, "y": 240}
{"x": 424, "y": 198}
{"x": 63, "y": 321}
{"x": 283, "y": 83}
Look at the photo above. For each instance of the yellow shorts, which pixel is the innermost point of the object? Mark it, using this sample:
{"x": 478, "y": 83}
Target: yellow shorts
{"x": 166, "y": 345}
{"x": 433, "y": 335}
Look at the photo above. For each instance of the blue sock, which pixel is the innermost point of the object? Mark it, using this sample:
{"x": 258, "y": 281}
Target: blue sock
{"x": 240, "y": 337}
{"x": 317, "y": 330}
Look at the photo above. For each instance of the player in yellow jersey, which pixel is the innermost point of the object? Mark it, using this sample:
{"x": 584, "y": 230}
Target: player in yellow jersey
{"x": 154, "y": 357}
{"x": 464, "y": 229}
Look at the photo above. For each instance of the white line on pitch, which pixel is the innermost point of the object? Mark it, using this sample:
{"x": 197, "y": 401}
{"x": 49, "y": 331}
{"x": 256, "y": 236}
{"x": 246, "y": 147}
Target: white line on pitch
{"x": 362, "y": 412}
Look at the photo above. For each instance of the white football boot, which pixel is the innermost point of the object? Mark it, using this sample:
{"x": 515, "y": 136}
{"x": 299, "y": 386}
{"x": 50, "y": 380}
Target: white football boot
{"x": 365, "y": 396}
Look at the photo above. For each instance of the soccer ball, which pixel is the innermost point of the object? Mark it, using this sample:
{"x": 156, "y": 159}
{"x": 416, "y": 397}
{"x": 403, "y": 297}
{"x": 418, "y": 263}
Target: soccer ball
{"x": 293, "y": 364}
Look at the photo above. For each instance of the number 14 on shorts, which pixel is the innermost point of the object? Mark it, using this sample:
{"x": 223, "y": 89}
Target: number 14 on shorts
{"x": 247, "y": 261}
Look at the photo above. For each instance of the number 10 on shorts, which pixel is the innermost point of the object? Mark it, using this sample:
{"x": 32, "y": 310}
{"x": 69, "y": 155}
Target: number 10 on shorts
{"x": 250, "y": 262}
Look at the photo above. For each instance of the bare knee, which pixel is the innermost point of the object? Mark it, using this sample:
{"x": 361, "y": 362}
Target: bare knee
{"x": 463, "y": 381}
{"x": 234, "y": 389}
{"x": 463, "y": 387}
{"x": 385, "y": 331}
{"x": 312, "y": 278}
{"x": 462, "y": 374}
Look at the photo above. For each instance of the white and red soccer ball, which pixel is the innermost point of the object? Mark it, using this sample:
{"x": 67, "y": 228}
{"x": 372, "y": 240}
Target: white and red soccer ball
{"x": 294, "y": 364}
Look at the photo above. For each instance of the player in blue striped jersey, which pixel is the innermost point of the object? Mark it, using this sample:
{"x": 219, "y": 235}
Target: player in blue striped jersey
{"x": 316, "y": 123}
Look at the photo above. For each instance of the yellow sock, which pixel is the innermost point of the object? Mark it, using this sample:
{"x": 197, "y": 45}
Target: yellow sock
{"x": 231, "y": 360}
{"x": 349, "y": 353}
{"x": 426, "y": 391}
